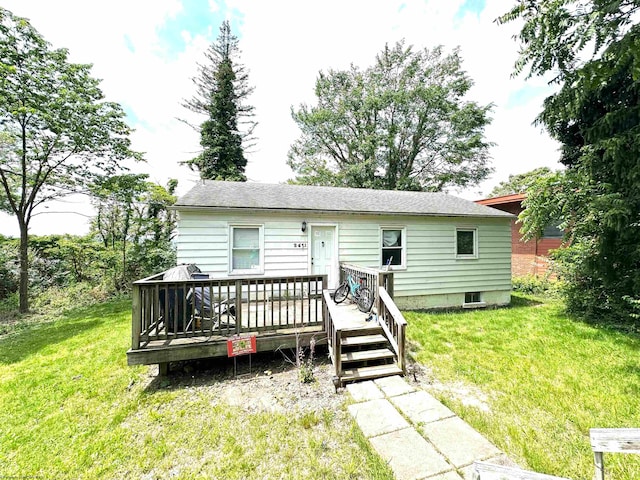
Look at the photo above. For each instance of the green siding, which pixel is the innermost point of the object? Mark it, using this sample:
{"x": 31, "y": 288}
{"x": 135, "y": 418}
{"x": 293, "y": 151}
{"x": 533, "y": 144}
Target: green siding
{"x": 431, "y": 265}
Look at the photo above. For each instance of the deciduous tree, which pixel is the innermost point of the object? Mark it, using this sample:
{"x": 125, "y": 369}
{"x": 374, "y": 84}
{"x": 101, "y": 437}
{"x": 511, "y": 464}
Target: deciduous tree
{"x": 401, "y": 124}
{"x": 57, "y": 130}
{"x": 519, "y": 183}
{"x": 596, "y": 117}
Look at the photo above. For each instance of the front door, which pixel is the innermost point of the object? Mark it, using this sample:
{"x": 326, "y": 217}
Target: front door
{"x": 322, "y": 253}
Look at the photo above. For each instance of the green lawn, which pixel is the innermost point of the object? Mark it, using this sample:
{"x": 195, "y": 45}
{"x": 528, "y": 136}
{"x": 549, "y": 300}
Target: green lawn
{"x": 547, "y": 379}
{"x": 72, "y": 408}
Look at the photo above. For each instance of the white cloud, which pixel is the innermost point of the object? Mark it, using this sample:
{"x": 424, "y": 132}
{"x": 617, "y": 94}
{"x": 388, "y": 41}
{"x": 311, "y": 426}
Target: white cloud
{"x": 284, "y": 44}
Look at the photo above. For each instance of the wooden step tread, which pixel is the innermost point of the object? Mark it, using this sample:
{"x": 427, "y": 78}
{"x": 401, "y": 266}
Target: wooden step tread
{"x": 366, "y": 373}
{"x": 364, "y": 355}
{"x": 360, "y": 331}
{"x": 363, "y": 340}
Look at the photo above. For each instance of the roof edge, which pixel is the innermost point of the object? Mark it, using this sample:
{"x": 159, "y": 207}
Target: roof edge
{"x": 332, "y": 212}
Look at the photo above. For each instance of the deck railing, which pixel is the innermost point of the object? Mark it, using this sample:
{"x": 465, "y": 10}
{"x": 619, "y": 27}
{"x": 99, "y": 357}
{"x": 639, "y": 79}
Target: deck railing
{"x": 172, "y": 309}
{"x": 332, "y": 332}
{"x": 393, "y": 323}
{"x": 389, "y": 316}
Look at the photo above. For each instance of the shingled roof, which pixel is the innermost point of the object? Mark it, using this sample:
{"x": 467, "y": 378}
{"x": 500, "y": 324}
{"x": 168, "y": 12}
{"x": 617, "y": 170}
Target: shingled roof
{"x": 303, "y": 198}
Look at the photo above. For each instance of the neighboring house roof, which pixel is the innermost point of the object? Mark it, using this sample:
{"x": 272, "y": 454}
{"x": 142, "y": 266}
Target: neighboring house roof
{"x": 283, "y": 197}
{"x": 513, "y": 198}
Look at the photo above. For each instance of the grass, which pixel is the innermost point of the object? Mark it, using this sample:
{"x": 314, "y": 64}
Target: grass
{"x": 72, "y": 408}
{"x": 548, "y": 379}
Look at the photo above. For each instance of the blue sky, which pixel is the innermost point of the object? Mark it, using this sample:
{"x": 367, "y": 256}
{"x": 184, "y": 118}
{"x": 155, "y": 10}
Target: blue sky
{"x": 146, "y": 52}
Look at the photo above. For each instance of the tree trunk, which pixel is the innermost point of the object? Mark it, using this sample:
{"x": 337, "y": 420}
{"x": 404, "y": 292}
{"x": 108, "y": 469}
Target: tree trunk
{"x": 24, "y": 266}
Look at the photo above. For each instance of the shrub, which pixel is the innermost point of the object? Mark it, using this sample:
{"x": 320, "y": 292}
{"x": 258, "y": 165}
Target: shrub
{"x": 532, "y": 285}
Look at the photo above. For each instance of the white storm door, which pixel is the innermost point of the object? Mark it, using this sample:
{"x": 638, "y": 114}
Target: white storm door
{"x": 322, "y": 253}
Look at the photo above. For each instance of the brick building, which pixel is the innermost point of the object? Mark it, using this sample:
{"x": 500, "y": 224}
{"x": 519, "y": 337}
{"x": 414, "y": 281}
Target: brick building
{"x": 527, "y": 258}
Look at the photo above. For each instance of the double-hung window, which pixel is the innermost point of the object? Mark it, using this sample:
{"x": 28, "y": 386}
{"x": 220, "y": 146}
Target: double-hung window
{"x": 246, "y": 251}
{"x": 393, "y": 245}
{"x": 466, "y": 243}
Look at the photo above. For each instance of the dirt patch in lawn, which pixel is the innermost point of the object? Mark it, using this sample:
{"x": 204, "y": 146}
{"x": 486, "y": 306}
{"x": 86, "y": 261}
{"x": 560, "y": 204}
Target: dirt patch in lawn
{"x": 468, "y": 395}
{"x": 272, "y": 385}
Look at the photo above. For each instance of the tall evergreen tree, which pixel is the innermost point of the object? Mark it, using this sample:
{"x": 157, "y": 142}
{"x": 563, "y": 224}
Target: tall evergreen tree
{"x": 222, "y": 88}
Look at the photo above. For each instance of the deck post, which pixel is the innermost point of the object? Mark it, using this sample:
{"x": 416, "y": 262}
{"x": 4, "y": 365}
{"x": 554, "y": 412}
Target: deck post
{"x": 325, "y": 285}
{"x": 163, "y": 369}
{"x": 381, "y": 277}
{"x": 136, "y": 317}
{"x": 239, "y": 305}
{"x": 401, "y": 338}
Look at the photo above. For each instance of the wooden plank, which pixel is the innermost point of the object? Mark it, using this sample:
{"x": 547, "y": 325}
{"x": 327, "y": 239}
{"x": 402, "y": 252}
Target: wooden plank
{"x": 365, "y": 373}
{"x": 612, "y": 440}
{"x": 365, "y": 355}
{"x": 489, "y": 471}
{"x": 363, "y": 340}
{"x": 136, "y": 317}
{"x": 615, "y": 440}
{"x": 217, "y": 348}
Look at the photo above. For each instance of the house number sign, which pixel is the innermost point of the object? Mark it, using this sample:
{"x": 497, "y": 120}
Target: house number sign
{"x": 300, "y": 245}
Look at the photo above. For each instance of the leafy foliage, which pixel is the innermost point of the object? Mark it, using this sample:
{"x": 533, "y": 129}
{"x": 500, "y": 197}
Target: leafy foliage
{"x": 221, "y": 91}
{"x": 557, "y": 32}
{"x": 596, "y": 117}
{"x": 134, "y": 226}
{"x": 519, "y": 183}
{"x": 57, "y": 131}
{"x": 401, "y": 124}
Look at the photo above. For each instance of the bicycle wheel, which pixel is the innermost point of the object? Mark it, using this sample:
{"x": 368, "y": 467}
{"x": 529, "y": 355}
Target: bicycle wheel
{"x": 365, "y": 299}
{"x": 341, "y": 293}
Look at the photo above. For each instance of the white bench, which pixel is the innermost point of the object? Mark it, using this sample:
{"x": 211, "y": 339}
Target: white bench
{"x": 489, "y": 471}
{"x": 612, "y": 440}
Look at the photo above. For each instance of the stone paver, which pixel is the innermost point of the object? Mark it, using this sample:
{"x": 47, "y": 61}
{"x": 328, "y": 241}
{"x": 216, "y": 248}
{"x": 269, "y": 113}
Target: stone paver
{"x": 377, "y": 417}
{"x": 364, "y": 391}
{"x": 457, "y": 441}
{"x": 421, "y": 408}
{"x": 409, "y": 455}
{"x": 394, "y": 385}
{"x": 444, "y": 450}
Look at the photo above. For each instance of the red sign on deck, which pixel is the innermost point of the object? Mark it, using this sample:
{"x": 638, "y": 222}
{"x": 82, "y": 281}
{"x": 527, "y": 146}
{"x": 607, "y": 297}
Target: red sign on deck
{"x": 241, "y": 346}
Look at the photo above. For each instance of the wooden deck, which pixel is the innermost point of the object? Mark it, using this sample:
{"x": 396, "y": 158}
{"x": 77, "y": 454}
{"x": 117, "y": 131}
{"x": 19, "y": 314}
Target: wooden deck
{"x": 176, "y": 320}
{"x": 276, "y": 324}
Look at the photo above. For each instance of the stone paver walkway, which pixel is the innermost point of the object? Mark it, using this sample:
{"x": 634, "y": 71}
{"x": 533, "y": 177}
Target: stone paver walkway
{"x": 417, "y": 435}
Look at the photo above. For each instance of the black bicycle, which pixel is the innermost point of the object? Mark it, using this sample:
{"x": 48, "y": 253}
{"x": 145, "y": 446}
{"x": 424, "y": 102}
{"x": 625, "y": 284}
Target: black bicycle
{"x": 361, "y": 295}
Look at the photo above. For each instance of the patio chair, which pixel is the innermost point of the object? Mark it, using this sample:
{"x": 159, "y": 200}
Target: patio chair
{"x": 612, "y": 440}
{"x": 490, "y": 471}
{"x": 210, "y": 315}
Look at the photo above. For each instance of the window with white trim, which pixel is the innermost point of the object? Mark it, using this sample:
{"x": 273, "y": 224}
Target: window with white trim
{"x": 466, "y": 243}
{"x": 393, "y": 244}
{"x": 246, "y": 255}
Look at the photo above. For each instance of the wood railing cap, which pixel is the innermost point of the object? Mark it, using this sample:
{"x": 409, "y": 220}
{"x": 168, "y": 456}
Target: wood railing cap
{"x": 501, "y": 472}
{"x": 621, "y": 440}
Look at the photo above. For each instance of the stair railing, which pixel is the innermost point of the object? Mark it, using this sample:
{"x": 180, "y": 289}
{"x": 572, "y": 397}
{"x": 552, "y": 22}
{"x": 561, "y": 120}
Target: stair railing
{"x": 393, "y": 323}
{"x": 333, "y": 333}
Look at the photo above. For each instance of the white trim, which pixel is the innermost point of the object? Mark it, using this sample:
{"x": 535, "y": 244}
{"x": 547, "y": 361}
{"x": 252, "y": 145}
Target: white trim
{"x": 474, "y": 255}
{"x": 250, "y": 271}
{"x": 335, "y": 262}
{"x": 403, "y": 247}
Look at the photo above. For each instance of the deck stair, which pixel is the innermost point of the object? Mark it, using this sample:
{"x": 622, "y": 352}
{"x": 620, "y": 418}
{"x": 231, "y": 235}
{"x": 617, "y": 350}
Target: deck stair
{"x": 366, "y": 354}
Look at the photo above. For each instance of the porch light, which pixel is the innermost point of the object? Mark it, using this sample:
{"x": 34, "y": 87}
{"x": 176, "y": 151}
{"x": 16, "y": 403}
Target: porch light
{"x": 304, "y": 226}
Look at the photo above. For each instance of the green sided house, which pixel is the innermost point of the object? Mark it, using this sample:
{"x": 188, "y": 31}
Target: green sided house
{"x": 443, "y": 251}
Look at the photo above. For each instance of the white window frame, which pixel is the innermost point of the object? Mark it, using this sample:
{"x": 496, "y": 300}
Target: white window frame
{"x": 403, "y": 247}
{"x": 247, "y": 271}
{"x": 475, "y": 243}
